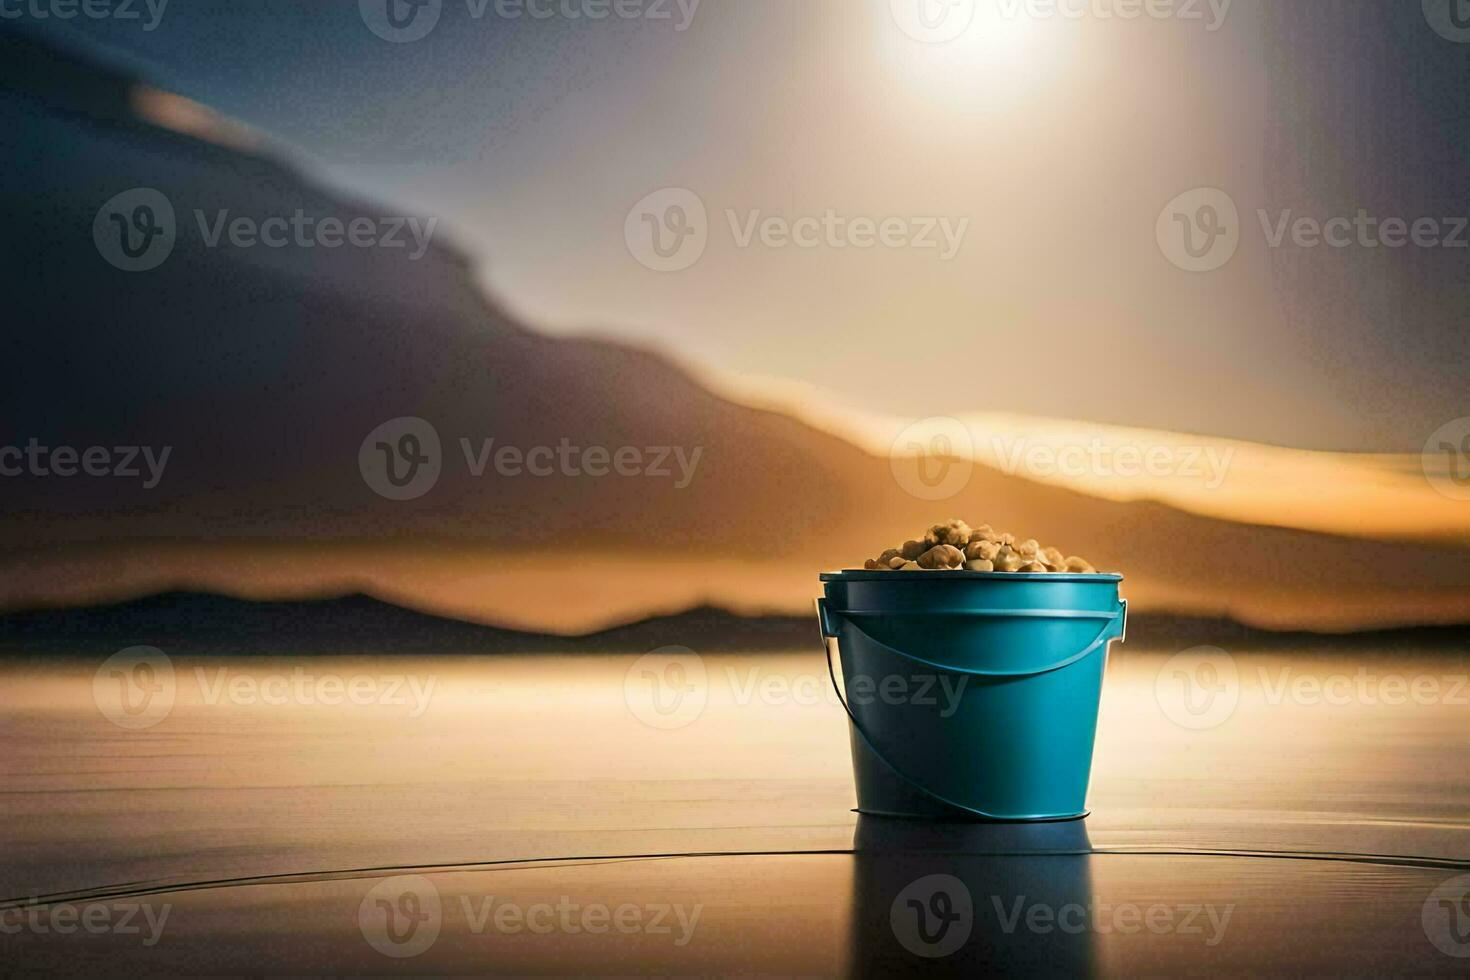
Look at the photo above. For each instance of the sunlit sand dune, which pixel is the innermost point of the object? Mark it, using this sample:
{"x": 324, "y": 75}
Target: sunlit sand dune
{"x": 1357, "y": 494}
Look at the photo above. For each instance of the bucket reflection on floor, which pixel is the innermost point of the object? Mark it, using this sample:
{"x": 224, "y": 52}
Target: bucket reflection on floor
{"x": 967, "y": 897}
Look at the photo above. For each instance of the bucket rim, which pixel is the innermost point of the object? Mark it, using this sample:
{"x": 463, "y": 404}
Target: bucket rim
{"x": 870, "y": 575}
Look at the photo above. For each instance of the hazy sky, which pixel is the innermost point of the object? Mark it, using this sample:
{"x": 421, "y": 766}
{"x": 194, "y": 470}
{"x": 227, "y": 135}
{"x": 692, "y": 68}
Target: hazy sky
{"x": 1047, "y": 148}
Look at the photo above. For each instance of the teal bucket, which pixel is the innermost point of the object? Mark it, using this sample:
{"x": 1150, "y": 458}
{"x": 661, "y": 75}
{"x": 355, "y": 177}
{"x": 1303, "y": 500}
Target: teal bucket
{"x": 971, "y": 695}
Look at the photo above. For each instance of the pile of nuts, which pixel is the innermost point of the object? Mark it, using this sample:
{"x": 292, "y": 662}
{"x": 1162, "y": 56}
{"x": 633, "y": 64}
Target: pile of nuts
{"x": 955, "y": 546}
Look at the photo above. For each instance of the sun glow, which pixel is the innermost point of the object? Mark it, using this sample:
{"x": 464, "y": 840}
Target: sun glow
{"x": 962, "y": 50}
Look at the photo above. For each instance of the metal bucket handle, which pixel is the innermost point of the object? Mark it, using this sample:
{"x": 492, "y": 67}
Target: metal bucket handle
{"x": 829, "y": 620}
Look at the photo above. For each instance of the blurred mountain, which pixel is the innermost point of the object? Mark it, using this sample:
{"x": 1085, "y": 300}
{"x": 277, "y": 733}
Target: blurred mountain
{"x": 262, "y": 370}
{"x": 358, "y": 625}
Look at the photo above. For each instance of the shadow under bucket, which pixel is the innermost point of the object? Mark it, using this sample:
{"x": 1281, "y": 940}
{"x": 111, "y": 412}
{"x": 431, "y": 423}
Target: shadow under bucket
{"x": 971, "y": 695}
